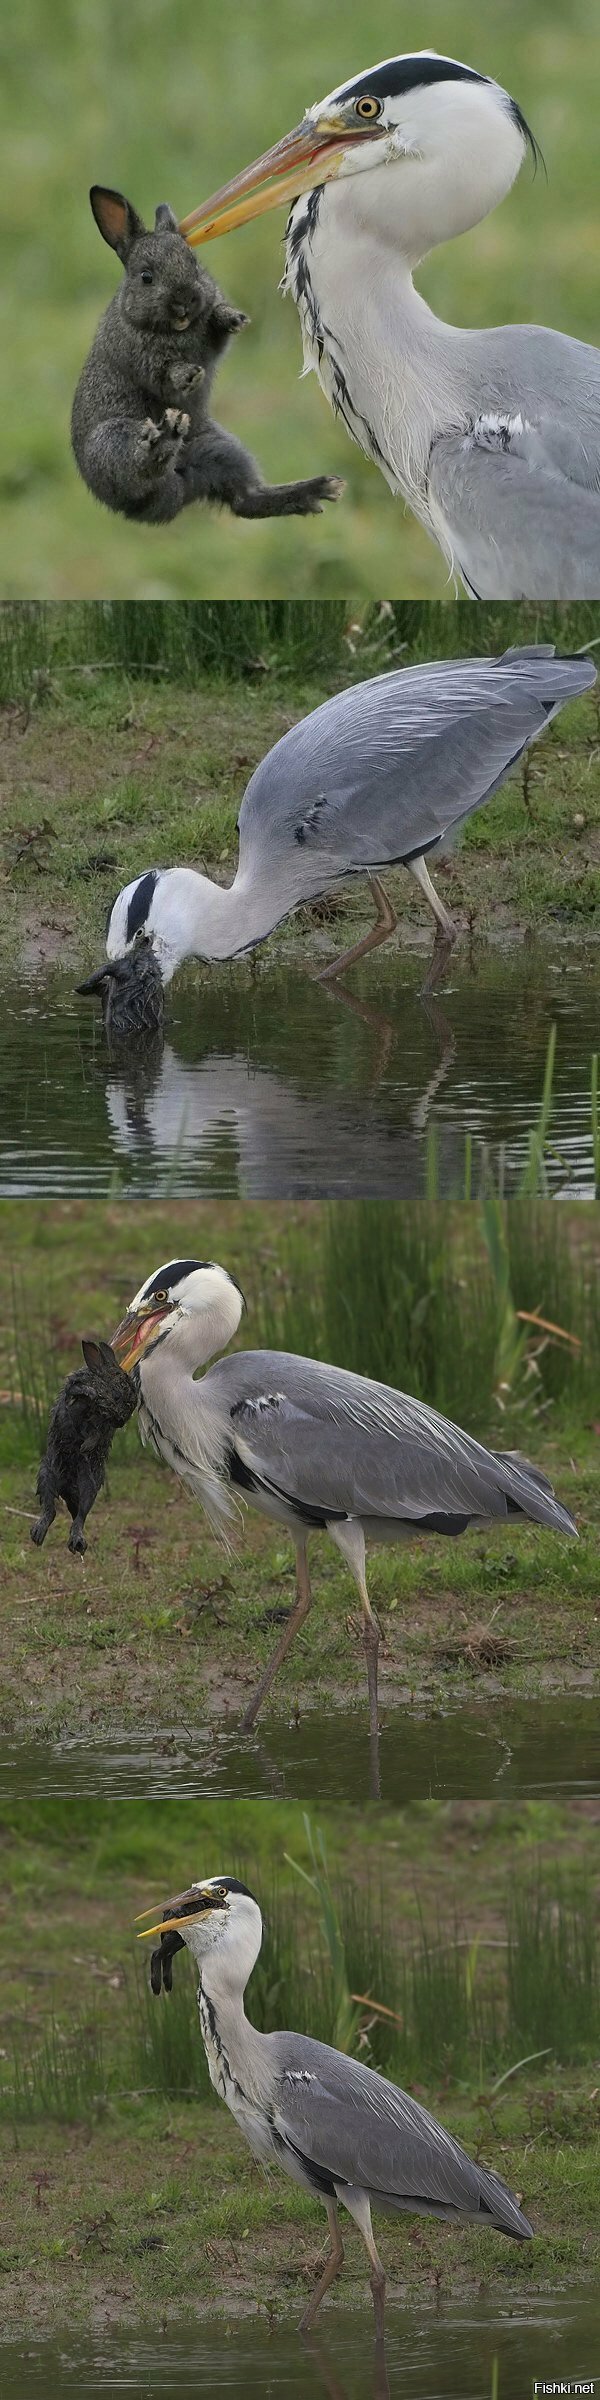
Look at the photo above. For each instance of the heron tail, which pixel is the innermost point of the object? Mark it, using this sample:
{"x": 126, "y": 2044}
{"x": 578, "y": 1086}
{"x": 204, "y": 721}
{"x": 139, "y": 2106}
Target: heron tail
{"x": 530, "y": 1493}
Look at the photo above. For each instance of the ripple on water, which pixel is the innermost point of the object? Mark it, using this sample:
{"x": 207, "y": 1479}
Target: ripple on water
{"x": 448, "y": 2355}
{"x": 511, "y": 1751}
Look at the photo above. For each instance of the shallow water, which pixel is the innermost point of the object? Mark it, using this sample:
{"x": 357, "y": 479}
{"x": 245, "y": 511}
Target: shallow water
{"x": 279, "y": 1087}
{"x": 448, "y": 2355}
{"x": 515, "y": 1750}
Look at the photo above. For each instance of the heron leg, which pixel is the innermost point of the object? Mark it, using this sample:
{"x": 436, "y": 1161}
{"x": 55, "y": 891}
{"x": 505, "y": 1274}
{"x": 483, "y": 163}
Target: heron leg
{"x": 331, "y": 2268}
{"x": 371, "y": 1649}
{"x": 359, "y": 2206}
{"x": 446, "y": 929}
{"x": 303, "y": 1603}
{"x": 385, "y": 924}
{"x": 350, "y": 1540}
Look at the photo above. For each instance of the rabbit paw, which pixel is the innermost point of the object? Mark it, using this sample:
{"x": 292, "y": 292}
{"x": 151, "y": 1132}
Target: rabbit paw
{"x": 161, "y": 443}
{"x": 232, "y": 320}
{"x": 183, "y": 377}
{"x": 225, "y": 320}
{"x": 310, "y": 496}
{"x": 178, "y": 423}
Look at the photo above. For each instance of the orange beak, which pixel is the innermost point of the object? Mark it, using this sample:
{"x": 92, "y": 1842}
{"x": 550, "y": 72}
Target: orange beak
{"x": 309, "y": 155}
{"x": 135, "y": 1331}
{"x": 168, "y": 1925}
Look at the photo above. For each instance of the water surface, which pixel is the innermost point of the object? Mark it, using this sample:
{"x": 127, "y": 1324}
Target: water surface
{"x": 448, "y": 2355}
{"x": 515, "y": 1750}
{"x": 279, "y": 1087}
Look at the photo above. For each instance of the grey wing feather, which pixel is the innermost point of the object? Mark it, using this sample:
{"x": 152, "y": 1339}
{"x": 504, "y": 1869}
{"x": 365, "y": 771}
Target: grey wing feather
{"x": 367, "y": 2133}
{"x": 518, "y": 524}
{"x": 340, "y": 1444}
{"x": 387, "y": 768}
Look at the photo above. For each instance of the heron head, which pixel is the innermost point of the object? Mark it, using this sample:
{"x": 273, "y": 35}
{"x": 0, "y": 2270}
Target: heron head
{"x": 419, "y": 106}
{"x": 171, "y": 909}
{"x": 217, "y": 1916}
{"x": 189, "y": 1299}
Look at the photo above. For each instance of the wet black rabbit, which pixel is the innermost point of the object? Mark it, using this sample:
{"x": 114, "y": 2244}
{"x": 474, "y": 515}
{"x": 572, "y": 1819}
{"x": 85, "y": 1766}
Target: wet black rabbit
{"x": 93, "y": 1402}
{"x": 142, "y": 434}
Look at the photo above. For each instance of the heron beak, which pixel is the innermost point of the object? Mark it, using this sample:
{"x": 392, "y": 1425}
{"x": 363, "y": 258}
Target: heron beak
{"x": 167, "y": 1925}
{"x": 184, "y": 1910}
{"x": 135, "y": 1332}
{"x": 309, "y": 155}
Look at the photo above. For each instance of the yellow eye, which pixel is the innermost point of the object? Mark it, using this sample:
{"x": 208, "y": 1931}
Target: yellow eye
{"x": 368, "y": 107}
{"x": 160, "y": 1295}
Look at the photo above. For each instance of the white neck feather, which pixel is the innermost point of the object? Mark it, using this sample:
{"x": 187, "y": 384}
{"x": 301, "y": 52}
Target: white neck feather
{"x": 192, "y": 917}
{"x": 225, "y": 1965}
{"x": 226, "y": 1969}
{"x": 173, "y": 1413}
{"x": 193, "y": 1338}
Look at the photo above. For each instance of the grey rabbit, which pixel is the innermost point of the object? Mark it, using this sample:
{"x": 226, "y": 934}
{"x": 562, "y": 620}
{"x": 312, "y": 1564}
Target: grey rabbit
{"x": 142, "y": 434}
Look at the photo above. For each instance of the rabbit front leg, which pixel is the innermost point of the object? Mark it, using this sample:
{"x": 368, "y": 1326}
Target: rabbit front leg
{"x": 216, "y": 467}
{"x": 182, "y": 377}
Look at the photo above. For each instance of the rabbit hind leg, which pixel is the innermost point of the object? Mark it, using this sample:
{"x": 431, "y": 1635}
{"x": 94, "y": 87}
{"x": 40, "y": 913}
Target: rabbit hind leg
{"x": 216, "y": 467}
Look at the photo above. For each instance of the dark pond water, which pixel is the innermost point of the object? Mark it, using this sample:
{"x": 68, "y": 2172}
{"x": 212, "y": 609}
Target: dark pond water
{"x": 516, "y": 1750}
{"x": 446, "y": 2356}
{"x": 278, "y": 1087}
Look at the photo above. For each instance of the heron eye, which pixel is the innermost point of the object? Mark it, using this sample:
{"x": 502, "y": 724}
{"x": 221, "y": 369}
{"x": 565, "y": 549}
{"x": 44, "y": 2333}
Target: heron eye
{"x": 147, "y": 277}
{"x": 369, "y": 107}
{"x": 160, "y": 1295}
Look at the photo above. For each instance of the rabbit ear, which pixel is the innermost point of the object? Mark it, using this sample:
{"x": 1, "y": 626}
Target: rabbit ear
{"x": 92, "y": 1352}
{"x": 117, "y": 221}
{"x": 165, "y": 220}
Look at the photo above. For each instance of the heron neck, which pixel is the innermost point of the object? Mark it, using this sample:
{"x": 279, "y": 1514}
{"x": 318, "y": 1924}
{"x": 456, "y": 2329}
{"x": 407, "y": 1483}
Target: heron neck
{"x": 196, "y": 918}
{"x": 230, "y": 2040}
{"x": 195, "y": 1339}
{"x": 357, "y": 282}
{"x": 390, "y": 367}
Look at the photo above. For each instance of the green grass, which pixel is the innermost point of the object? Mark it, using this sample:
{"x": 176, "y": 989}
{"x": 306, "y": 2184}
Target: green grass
{"x": 210, "y": 641}
{"x": 123, "y": 2178}
{"x": 157, "y": 1623}
{"x": 172, "y": 105}
{"x": 387, "y": 1293}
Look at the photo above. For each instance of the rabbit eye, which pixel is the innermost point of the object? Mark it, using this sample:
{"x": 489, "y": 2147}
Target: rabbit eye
{"x": 146, "y": 275}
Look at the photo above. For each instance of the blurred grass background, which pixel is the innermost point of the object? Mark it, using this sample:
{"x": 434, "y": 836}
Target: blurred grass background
{"x": 167, "y": 99}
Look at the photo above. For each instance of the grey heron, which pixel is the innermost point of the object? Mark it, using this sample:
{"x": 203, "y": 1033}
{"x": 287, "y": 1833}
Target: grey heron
{"x": 491, "y": 436}
{"x": 311, "y": 1446}
{"x": 382, "y": 774}
{"x": 340, "y": 2130}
